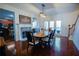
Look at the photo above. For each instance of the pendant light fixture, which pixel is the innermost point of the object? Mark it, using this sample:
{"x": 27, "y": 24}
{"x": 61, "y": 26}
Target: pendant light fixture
{"x": 42, "y": 14}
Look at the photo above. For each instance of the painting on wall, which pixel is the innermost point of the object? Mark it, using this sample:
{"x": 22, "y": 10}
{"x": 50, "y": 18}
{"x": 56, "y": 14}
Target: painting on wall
{"x": 24, "y": 19}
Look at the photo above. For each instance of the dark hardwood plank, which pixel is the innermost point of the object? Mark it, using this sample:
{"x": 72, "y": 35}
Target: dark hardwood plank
{"x": 60, "y": 46}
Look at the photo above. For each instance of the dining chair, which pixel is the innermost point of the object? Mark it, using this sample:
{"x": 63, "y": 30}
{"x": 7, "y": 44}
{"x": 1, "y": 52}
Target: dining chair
{"x": 52, "y": 34}
{"x": 30, "y": 40}
{"x": 47, "y": 40}
{"x": 33, "y": 30}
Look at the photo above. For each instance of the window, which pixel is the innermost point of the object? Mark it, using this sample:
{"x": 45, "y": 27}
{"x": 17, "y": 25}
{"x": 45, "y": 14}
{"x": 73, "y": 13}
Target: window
{"x": 58, "y": 26}
{"x": 51, "y": 25}
{"x": 35, "y": 24}
{"x": 46, "y": 24}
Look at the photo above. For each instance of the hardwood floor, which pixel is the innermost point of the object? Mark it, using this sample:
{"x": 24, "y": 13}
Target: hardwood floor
{"x": 60, "y": 46}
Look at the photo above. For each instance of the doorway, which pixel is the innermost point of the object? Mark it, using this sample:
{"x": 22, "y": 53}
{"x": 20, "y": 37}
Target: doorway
{"x": 7, "y": 29}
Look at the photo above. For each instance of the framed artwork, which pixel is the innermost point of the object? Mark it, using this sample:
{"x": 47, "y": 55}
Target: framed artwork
{"x": 24, "y": 19}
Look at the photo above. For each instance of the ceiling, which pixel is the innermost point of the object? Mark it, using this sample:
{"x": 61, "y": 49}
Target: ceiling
{"x": 56, "y": 8}
{"x": 50, "y": 8}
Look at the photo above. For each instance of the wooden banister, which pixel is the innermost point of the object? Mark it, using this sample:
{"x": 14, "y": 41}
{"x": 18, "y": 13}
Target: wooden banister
{"x": 71, "y": 28}
{"x": 76, "y": 20}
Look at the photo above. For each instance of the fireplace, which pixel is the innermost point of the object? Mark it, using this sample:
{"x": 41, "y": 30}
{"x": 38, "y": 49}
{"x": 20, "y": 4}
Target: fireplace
{"x": 23, "y": 32}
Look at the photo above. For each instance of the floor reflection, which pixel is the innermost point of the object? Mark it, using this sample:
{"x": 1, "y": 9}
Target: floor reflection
{"x": 57, "y": 45}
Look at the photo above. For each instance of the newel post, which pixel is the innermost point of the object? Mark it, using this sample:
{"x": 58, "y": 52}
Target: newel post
{"x": 68, "y": 31}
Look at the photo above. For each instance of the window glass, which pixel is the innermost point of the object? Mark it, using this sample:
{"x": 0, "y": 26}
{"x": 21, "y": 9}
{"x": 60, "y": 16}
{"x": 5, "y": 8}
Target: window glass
{"x": 58, "y": 26}
{"x": 58, "y": 23}
{"x": 51, "y": 25}
{"x": 46, "y": 24}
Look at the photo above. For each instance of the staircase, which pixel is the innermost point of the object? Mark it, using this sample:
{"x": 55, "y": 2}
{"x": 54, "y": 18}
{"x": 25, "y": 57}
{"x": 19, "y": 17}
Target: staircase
{"x": 73, "y": 33}
{"x": 72, "y": 28}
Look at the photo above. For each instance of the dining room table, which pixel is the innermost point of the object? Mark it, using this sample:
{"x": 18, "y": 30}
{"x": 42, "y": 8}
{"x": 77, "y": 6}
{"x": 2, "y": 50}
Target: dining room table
{"x": 40, "y": 36}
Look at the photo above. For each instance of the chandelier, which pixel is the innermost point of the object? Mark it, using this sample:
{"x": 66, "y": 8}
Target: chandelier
{"x": 42, "y": 14}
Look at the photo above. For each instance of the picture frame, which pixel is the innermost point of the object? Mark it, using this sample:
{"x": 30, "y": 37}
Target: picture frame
{"x": 24, "y": 19}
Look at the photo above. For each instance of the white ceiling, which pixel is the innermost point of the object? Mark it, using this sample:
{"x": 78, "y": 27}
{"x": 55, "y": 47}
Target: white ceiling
{"x": 56, "y": 8}
{"x": 50, "y": 8}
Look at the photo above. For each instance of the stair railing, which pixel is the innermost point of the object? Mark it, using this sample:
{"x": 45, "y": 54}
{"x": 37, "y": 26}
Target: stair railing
{"x": 71, "y": 28}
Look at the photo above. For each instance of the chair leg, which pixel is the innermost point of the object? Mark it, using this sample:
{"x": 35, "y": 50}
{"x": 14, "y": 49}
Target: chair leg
{"x": 49, "y": 43}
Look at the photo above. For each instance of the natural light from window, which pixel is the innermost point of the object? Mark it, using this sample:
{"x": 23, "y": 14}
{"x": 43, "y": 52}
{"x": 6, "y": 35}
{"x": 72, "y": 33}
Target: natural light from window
{"x": 58, "y": 24}
{"x": 35, "y": 24}
{"x": 51, "y": 24}
{"x": 46, "y": 25}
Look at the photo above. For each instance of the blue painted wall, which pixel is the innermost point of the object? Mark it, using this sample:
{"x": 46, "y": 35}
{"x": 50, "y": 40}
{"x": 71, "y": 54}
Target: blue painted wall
{"x": 6, "y": 14}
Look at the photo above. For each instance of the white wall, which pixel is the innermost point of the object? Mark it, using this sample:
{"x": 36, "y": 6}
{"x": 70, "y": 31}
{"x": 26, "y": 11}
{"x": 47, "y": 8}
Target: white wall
{"x": 75, "y": 36}
{"x": 66, "y": 19}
